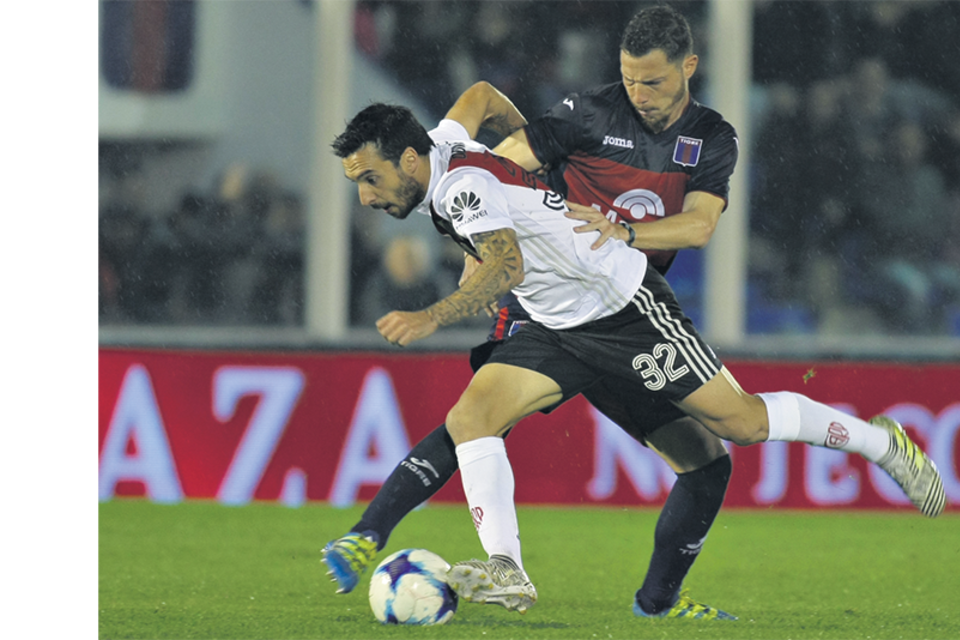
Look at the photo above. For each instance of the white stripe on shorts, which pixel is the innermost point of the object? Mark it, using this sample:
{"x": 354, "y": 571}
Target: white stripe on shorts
{"x": 672, "y": 329}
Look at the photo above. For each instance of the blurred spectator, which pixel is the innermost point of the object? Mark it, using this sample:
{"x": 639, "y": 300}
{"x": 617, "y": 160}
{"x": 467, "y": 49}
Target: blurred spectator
{"x": 873, "y": 166}
{"x": 917, "y": 39}
{"x": 370, "y": 33}
{"x": 493, "y": 51}
{"x": 405, "y": 283}
{"x": 135, "y": 254}
{"x": 196, "y": 292}
{"x": 903, "y": 202}
{"x": 826, "y": 174}
{"x": 779, "y": 244}
{"x": 245, "y": 199}
{"x": 366, "y": 249}
{"x": 278, "y": 286}
{"x": 425, "y": 37}
{"x": 794, "y": 41}
{"x": 233, "y": 257}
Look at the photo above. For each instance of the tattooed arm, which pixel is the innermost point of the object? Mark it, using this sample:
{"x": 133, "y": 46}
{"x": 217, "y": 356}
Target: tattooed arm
{"x": 501, "y": 271}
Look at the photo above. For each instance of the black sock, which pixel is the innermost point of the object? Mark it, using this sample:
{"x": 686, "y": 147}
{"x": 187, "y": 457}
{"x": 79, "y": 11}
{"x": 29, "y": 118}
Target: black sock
{"x": 684, "y": 522}
{"x": 416, "y": 479}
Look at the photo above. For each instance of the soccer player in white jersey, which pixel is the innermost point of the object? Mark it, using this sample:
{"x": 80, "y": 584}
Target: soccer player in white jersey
{"x": 641, "y": 140}
{"x": 598, "y": 312}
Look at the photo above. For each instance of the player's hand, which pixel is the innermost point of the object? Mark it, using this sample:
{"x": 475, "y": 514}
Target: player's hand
{"x": 470, "y": 265}
{"x": 595, "y": 221}
{"x": 400, "y": 328}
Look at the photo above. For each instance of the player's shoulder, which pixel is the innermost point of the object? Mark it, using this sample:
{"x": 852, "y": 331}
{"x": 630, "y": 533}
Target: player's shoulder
{"x": 708, "y": 123}
{"x": 589, "y": 101}
{"x": 448, "y": 130}
{"x": 460, "y": 186}
{"x": 595, "y": 110}
{"x": 605, "y": 96}
{"x": 468, "y": 162}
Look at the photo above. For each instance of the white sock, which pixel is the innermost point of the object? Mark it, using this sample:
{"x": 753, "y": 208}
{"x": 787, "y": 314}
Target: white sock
{"x": 488, "y": 484}
{"x": 796, "y": 418}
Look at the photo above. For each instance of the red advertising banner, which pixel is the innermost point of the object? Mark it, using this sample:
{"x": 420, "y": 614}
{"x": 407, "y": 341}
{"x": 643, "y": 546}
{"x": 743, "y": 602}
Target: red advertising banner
{"x": 292, "y": 427}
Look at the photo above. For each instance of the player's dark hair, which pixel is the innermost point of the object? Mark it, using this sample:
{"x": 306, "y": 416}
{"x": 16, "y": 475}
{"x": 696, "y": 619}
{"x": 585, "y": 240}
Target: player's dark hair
{"x": 391, "y": 128}
{"x": 659, "y": 27}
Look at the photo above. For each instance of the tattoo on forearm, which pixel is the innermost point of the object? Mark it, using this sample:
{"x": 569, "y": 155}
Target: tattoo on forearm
{"x": 502, "y": 269}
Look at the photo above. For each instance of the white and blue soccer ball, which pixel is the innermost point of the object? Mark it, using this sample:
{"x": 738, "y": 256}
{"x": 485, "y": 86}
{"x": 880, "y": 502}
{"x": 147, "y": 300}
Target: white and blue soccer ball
{"x": 410, "y": 587}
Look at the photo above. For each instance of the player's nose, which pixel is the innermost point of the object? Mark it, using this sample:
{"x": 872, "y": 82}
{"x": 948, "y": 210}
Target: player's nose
{"x": 367, "y": 196}
{"x": 638, "y": 94}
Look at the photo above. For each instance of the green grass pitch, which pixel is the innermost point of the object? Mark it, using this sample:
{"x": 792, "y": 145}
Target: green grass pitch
{"x": 203, "y": 570}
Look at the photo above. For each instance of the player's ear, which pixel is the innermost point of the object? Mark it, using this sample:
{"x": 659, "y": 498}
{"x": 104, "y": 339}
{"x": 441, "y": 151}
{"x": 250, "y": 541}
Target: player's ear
{"x": 409, "y": 161}
{"x": 689, "y": 66}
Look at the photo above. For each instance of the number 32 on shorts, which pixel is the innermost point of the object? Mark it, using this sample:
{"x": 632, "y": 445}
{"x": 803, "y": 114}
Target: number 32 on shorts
{"x": 656, "y": 376}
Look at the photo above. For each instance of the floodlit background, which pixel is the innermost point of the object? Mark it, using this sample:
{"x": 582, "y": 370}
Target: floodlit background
{"x": 224, "y": 220}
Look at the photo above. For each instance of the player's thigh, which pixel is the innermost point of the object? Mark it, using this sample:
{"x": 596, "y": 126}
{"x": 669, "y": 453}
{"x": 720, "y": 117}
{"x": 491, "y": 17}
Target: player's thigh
{"x": 686, "y": 445}
{"x": 724, "y": 408}
{"x": 498, "y": 396}
{"x": 632, "y": 409}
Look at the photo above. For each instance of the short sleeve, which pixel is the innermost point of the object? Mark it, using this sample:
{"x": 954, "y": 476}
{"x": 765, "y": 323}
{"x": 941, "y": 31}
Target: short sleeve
{"x": 561, "y": 128}
{"x": 449, "y": 130}
{"x": 716, "y": 165}
{"x": 475, "y": 202}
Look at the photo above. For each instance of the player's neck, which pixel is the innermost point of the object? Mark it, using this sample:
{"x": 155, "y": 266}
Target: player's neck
{"x": 681, "y": 109}
{"x": 422, "y": 172}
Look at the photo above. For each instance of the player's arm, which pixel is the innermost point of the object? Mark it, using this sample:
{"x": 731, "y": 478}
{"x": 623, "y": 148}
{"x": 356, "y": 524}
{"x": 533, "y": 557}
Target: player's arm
{"x": 470, "y": 265}
{"x": 500, "y": 271}
{"x": 482, "y": 105}
{"x": 692, "y": 228}
{"x": 516, "y": 147}
{"x": 550, "y": 138}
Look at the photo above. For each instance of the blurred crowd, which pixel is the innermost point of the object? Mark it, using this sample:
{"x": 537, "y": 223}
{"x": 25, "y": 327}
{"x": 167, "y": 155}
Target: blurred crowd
{"x": 229, "y": 256}
{"x": 534, "y": 51}
{"x": 854, "y": 169}
{"x": 855, "y": 197}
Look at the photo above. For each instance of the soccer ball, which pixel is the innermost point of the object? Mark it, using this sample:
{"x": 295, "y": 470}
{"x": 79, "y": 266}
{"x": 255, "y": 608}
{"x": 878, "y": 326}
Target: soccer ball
{"x": 410, "y": 587}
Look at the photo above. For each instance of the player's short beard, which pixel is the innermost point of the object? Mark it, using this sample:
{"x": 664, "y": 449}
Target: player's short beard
{"x": 410, "y": 194}
{"x": 657, "y": 126}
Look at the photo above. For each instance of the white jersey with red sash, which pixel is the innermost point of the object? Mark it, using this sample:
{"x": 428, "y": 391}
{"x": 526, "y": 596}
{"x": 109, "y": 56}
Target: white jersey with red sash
{"x": 566, "y": 283}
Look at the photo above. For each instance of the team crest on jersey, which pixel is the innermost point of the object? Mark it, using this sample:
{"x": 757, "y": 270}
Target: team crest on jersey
{"x": 466, "y": 207}
{"x": 687, "y": 151}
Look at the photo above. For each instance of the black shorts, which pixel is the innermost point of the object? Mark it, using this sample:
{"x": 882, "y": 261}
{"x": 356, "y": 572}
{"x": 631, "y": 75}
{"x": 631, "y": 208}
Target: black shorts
{"x": 631, "y": 366}
{"x": 638, "y": 414}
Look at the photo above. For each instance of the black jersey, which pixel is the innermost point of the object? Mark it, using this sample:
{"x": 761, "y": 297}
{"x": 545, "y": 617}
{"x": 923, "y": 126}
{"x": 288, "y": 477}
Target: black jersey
{"x": 604, "y": 157}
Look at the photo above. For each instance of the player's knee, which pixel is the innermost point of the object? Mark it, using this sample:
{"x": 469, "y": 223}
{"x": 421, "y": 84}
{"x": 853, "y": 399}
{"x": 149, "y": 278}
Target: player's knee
{"x": 749, "y": 425}
{"x": 455, "y": 427}
{"x": 740, "y": 431}
{"x": 714, "y": 476}
{"x": 464, "y": 424}
{"x": 748, "y": 433}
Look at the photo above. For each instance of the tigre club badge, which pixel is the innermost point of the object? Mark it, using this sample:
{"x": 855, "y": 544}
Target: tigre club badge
{"x": 687, "y": 151}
